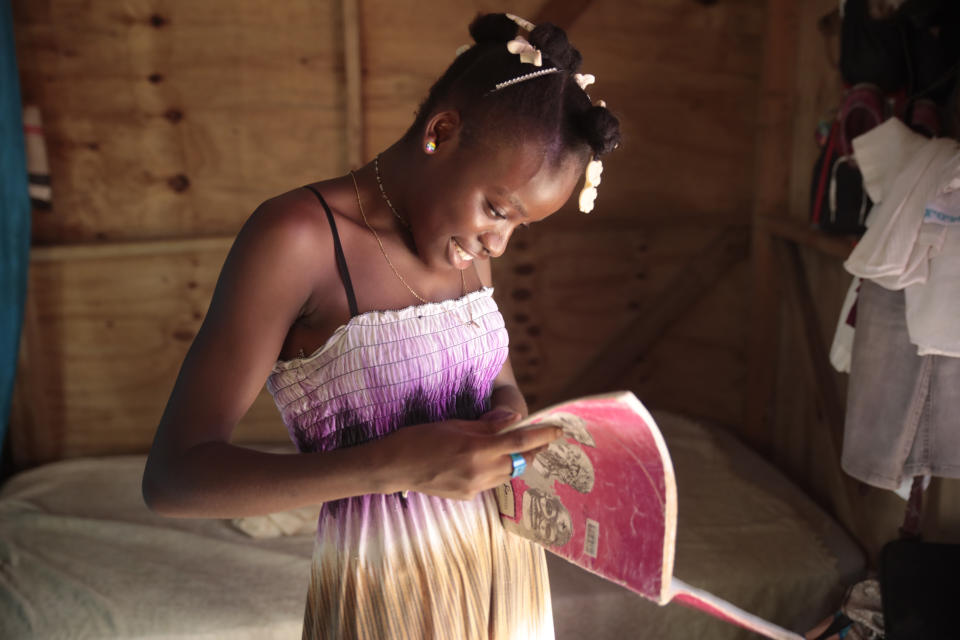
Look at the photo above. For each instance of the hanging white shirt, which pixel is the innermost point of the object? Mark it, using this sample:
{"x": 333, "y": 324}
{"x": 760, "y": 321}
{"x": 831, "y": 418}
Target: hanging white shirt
{"x": 913, "y": 232}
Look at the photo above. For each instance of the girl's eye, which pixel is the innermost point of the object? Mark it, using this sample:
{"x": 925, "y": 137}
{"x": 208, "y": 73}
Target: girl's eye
{"x": 495, "y": 212}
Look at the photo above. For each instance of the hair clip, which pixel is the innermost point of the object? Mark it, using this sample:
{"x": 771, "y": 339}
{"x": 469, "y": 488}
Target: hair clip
{"x": 524, "y": 24}
{"x": 528, "y": 53}
{"x": 524, "y": 78}
{"x": 584, "y": 80}
{"x": 591, "y": 179}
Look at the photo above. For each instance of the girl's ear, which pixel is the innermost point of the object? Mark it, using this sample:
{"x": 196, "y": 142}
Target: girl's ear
{"x": 442, "y": 127}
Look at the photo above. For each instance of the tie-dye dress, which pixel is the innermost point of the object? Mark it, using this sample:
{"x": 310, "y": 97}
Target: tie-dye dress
{"x": 419, "y": 567}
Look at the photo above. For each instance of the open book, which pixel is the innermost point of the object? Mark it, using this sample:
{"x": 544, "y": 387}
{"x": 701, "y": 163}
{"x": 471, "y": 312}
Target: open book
{"x": 604, "y": 497}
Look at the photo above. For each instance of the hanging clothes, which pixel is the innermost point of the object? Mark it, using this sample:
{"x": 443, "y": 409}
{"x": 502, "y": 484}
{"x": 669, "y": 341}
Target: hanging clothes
{"x": 903, "y": 399}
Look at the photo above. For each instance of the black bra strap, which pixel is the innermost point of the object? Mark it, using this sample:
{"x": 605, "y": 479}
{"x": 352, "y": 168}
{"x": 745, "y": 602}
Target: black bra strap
{"x": 338, "y": 252}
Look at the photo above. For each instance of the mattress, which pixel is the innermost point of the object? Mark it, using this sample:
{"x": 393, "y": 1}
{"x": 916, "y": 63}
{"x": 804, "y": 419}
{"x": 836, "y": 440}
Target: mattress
{"x": 82, "y": 557}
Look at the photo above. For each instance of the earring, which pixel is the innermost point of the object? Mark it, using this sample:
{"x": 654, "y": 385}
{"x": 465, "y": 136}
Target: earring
{"x": 431, "y": 146}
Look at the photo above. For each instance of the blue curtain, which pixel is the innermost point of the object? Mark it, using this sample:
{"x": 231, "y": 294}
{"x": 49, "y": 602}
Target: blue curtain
{"x": 14, "y": 216}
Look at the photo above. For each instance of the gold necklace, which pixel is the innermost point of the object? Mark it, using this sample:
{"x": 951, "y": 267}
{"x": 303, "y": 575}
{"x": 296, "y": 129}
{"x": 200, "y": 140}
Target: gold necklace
{"x": 463, "y": 282}
{"x": 376, "y": 168}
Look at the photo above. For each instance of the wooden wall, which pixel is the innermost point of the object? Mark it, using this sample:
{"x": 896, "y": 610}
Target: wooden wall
{"x": 172, "y": 119}
{"x": 168, "y": 121}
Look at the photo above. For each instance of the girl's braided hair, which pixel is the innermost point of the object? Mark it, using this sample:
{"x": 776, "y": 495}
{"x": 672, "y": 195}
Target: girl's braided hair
{"x": 551, "y": 109}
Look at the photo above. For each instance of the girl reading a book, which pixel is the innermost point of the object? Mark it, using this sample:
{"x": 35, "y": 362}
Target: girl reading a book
{"x": 364, "y": 302}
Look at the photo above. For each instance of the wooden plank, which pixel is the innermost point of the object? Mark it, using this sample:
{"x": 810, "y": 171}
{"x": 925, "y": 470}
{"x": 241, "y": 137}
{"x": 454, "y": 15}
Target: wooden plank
{"x": 103, "y": 250}
{"x": 620, "y": 353}
{"x": 773, "y": 144}
{"x": 797, "y": 232}
{"x": 178, "y": 119}
{"x": 820, "y": 371}
{"x": 103, "y": 345}
{"x": 353, "y": 70}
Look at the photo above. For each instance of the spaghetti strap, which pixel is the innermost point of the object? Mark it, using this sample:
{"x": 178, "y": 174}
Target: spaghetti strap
{"x": 338, "y": 252}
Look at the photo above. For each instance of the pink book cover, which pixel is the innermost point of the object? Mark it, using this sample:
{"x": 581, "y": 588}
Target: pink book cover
{"x": 604, "y": 497}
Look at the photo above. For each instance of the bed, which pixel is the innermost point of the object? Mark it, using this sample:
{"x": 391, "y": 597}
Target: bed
{"x": 82, "y": 557}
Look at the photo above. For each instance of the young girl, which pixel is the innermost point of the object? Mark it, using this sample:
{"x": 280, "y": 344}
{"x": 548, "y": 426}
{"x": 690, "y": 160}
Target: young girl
{"x": 365, "y": 303}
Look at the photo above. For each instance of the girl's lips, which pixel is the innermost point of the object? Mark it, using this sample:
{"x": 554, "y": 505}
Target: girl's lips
{"x": 462, "y": 253}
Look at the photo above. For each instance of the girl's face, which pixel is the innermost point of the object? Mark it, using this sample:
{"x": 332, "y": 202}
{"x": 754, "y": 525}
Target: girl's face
{"x": 477, "y": 198}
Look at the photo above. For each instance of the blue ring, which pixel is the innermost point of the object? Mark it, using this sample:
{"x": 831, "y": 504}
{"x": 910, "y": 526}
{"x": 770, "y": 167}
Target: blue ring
{"x": 519, "y": 464}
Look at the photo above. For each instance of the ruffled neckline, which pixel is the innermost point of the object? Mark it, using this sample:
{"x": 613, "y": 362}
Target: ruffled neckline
{"x": 382, "y": 316}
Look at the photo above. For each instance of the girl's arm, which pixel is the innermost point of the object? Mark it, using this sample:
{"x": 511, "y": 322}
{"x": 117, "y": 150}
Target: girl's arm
{"x": 267, "y": 279}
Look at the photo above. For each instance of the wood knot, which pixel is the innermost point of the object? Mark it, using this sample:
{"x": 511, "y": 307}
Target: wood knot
{"x": 155, "y": 78}
{"x": 157, "y": 21}
{"x": 524, "y": 269}
{"x": 521, "y": 294}
{"x": 173, "y": 115}
{"x": 184, "y": 335}
{"x": 179, "y": 183}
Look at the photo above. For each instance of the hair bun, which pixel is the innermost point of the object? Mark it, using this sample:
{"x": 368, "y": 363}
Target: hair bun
{"x": 493, "y": 27}
{"x": 601, "y": 129}
{"x": 552, "y": 41}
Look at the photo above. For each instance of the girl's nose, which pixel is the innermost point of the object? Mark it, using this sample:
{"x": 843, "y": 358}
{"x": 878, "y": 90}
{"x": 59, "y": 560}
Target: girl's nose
{"x": 495, "y": 242}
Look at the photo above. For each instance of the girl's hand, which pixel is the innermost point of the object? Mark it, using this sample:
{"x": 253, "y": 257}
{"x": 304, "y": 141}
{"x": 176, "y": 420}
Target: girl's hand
{"x": 459, "y": 458}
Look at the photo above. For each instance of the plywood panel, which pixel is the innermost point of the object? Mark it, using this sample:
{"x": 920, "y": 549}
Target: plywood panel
{"x": 169, "y": 119}
{"x": 564, "y": 293}
{"x": 699, "y": 367}
{"x": 107, "y": 334}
